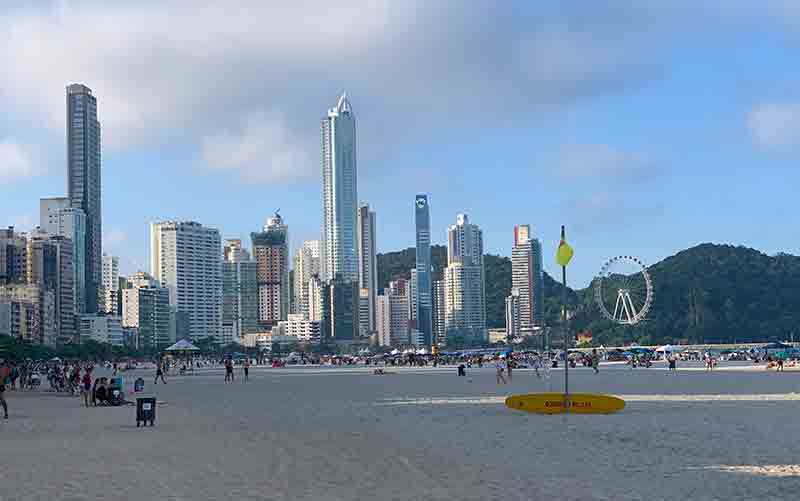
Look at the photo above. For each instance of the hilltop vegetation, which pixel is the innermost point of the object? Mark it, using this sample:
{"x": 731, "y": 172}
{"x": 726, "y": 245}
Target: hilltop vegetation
{"x": 709, "y": 293}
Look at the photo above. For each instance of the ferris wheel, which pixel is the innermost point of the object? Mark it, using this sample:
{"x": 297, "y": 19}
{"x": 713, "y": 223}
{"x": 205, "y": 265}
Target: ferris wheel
{"x": 623, "y": 290}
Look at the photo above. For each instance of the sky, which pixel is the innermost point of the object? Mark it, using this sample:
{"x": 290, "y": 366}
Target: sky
{"x": 644, "y": 127}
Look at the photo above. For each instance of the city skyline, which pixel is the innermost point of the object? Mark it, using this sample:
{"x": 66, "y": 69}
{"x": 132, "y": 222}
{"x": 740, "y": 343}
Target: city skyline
{"x": 583, "y": 129}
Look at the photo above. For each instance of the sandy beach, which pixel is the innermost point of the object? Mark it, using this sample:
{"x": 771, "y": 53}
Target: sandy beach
{"x": 343, "y": 433}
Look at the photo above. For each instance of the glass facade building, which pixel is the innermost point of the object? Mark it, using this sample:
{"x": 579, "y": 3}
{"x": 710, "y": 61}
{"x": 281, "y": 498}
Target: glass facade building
{"x": 423, "y": 315}
{"x": 83, "y": 182}
{"x": 340, "y": 193}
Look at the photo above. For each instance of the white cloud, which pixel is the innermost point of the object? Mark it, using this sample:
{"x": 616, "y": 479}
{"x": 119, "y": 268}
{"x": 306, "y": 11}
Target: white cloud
{"x": 600, "y": 160}
{"x": 775, "y": 125}
{"x": 185, "y": 73}
{"x": 263, "y": 150}
{"x": 15, "y": 161}
{"x": 179, "y": 73}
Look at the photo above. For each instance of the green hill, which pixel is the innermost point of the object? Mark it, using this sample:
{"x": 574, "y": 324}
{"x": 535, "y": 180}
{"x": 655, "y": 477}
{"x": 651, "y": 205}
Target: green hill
{"x": 709, "y": 293}
{"x": 394, "y": 265}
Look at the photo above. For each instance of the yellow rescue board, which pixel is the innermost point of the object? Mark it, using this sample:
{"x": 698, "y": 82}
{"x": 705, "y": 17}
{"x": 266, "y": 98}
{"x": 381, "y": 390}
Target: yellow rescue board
{"x": 553, "y": 403}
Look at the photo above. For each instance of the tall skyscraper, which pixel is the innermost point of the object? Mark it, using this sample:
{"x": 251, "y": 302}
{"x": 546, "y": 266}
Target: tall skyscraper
{"x": 271, "y": 253}
{"x": 367, "y": 269}
{"x": 340, "y": 193}
{"x": 186, "y": 258}
{"x": 526, "y": 277}
{"x": 110, "y": 287}
{"x": 56, "y": 217}
{"x": 239, "y": 293}
{"x": 424, "y": 307}
{"x": 465, "y": 292}
{"x": 306, "y": 265}
{"x": 83, "y": 181}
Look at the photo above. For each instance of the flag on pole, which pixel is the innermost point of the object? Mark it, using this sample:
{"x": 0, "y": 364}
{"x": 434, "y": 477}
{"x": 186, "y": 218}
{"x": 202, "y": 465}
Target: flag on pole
{"x": 564, "y": 252}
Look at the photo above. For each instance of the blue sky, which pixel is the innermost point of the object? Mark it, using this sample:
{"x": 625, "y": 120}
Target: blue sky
{"x": 645, "y": 129}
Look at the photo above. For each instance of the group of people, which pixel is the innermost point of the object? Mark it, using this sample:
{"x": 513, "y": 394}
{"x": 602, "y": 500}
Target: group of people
{"x": 229, "y": 376}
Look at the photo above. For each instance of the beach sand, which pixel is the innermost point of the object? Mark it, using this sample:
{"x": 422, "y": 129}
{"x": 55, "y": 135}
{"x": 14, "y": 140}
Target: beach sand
{"x": 330, "y": 433}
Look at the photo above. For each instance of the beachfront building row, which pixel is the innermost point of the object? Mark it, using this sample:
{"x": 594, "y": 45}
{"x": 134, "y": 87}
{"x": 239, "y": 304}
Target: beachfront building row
{"x": 37, "y": 276}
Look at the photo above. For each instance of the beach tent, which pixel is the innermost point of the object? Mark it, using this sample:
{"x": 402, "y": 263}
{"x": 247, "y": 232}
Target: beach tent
{"x": 184, "y": 348}
{"x": 667, "y": 348}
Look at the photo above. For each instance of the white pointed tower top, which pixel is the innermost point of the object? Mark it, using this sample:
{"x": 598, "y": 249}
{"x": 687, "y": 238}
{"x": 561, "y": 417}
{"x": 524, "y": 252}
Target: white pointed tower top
{"x": 343, "y": 105}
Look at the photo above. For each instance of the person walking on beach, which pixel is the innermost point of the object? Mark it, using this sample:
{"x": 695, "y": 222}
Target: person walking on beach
{"x": 246, "y": 369}
{"x": 537, "y": 362}
{"x": 5, "y": 374}
{"x": 86, "y": 386}
{"x": 595, "y": 361}
{"x": 673, "y": 362}
{"x": 498, "y": 364}
{"x": 159, "y": 373}
{"x": 228, "y": 370}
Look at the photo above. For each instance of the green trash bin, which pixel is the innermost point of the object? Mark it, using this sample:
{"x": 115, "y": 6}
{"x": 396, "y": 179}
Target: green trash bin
{"x": 145, "y": 411}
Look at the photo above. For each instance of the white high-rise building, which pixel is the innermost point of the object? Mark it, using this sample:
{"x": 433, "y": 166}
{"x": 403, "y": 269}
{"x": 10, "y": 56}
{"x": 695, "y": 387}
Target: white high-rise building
{"x": 340, "y": 193}
{"x": 186, "y": 258}
{"x": 367, "y": 269}
{"x": 465, "y": 290}
{"x": 110, "y": 286}
{"x": 526, "y": 277}
{"x": 396, "y": 316}
{"x": 413, "y": 294}
{"x": 306, "y": 265}
{"x": 439, "y": 310}
{"x": 317, "y": 292}
{"x": 57, "y": 217}
{"x": 297, "y": 326}
{"x": 513, "y": 323}
{"x": 383, "y": 320}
